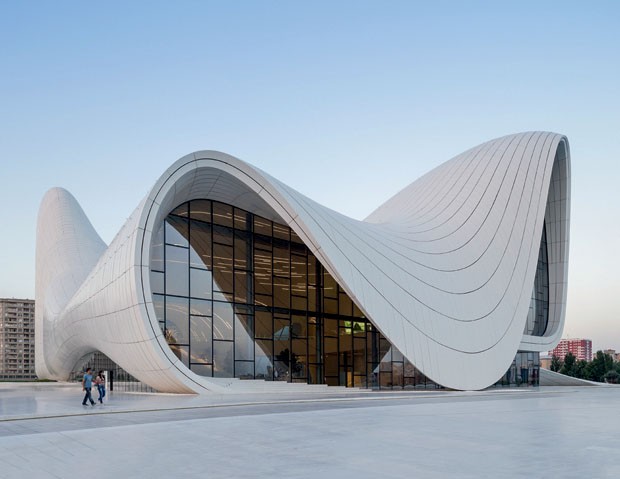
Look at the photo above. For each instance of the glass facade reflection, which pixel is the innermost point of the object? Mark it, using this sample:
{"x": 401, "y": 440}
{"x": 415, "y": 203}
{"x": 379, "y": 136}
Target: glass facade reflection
{"x": 238, "y": 295}
{"x": 524, "y": 371}
{"x": 538, "y": 314}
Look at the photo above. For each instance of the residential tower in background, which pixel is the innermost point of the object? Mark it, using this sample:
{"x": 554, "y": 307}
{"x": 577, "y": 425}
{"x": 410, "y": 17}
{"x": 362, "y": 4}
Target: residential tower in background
{"x": 580, "y": 348}
{"x": 17, "y": 339}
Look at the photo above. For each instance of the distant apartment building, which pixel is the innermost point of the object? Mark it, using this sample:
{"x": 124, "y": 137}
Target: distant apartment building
{"x": 613, "y": 354}
{"x": 545, "y": 362}
{"x": 16, "y": 339}
{"x": 580, "y": 348}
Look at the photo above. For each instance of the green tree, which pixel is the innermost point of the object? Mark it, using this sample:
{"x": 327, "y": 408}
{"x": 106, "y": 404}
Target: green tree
{"x": 599, "y": 366}
{"x": 568, "y": 368}
{"x": 556, "y": 364}
{"x": 609, "y": 362}
{"x": 581, "y": 369}
{"x": 611, "y": 376}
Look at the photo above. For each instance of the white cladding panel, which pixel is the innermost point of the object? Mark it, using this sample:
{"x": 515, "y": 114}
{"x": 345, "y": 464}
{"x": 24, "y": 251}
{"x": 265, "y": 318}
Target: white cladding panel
{"x": 444, "y": 269}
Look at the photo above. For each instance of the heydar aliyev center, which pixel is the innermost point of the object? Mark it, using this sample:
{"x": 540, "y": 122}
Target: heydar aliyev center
{"x": 223, "y": 273}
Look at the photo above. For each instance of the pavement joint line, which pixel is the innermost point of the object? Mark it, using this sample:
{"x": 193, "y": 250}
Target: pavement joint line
{"x": 265, "y": 403}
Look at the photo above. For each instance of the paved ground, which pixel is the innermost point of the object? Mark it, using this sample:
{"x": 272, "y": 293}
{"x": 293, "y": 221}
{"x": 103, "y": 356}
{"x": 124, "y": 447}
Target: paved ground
{"x": 544, "y": 432}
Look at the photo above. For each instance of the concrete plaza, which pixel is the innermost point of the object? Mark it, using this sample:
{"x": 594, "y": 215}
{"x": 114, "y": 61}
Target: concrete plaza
{"x": 543, "y": 432}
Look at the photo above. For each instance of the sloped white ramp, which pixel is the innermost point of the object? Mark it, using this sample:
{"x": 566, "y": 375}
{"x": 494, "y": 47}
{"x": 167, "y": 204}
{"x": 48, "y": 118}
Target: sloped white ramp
{"x": 444, "y": 269}
{"x": 551, "y": 378}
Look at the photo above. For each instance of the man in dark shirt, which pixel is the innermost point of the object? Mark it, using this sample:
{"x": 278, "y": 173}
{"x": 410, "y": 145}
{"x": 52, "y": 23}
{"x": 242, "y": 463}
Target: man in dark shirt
{"x": 87, "y": 384}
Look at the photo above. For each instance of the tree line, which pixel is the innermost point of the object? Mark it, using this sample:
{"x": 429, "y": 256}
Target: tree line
{"x": 601, "y": 369}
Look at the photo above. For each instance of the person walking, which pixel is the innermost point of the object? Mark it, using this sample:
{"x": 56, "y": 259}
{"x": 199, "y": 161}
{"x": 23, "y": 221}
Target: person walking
{"x": 100, "y": 383}
{"x": 87, "y": 384}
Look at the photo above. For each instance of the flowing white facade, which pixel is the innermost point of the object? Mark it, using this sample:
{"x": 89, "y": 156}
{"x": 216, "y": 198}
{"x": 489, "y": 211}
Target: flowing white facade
{"x": 444, "y": 269}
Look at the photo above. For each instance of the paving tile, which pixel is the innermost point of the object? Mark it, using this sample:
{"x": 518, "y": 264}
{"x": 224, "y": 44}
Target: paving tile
{"x": 497, "y": 434}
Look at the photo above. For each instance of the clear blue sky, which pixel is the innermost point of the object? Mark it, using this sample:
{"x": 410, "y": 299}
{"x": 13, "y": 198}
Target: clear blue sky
{"x": 345, "y": 101}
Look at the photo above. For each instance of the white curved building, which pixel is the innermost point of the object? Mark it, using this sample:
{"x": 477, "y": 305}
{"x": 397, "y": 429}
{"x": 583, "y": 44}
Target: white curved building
{"x": 224, "y": 272}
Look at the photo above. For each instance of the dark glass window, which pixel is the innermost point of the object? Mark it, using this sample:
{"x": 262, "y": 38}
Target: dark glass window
{"x": 238, "y": 295}
{"x": 242, "y": 219}
{"x": 177, "y": 320}
{"x": 538, "y": 314}
{"x": 201, "y": 339}
{"x": 157, "y": 250}
{"x": 181, "y": 210}
{"x": 223, "y": 362}
{"x": 200, "y": 245}
{"x": 222, "y": 214}
{"x": 199, "y": 307}
{"x": 262, "y": 226}
{"x": 177, "y": 272}
{"x": 200, "y": 283}
{"x": 159, "y": 305}
{"x": 157, "y": 282}
{"x": 177, "y": 231}
{"x": 223, "y": 272}
{"x": 223, "y": 315}
{"x": 244, "y": 337}
{"x": 200, "y": 210}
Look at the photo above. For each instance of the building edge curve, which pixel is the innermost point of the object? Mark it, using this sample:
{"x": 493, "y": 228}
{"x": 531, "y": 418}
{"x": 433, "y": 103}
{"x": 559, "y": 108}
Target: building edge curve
{"x": 116, "y": 295}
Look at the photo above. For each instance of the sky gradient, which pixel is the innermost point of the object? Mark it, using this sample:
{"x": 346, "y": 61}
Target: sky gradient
{"x": 347, "y": 102}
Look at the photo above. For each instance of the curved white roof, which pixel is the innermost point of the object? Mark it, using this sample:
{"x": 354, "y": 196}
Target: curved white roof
{"x": 444, "y": 269}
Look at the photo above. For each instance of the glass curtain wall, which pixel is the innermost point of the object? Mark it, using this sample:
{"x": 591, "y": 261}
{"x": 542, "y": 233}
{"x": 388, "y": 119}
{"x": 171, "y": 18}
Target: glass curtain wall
{"x": 524, "y": 371}
{"x": 538, "y": 314}
{"x": 238, "y": 295}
